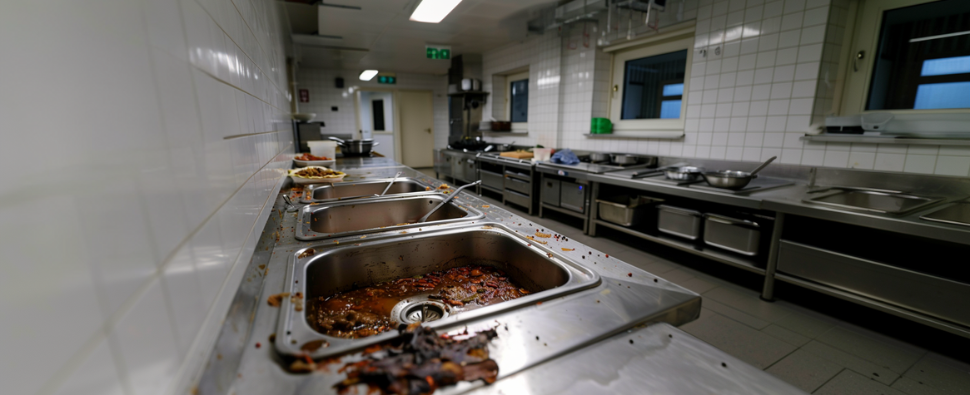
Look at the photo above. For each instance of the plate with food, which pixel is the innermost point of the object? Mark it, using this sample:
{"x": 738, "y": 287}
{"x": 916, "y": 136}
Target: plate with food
{"x": 315, "y": 175}
{"x": 304, "y": 160}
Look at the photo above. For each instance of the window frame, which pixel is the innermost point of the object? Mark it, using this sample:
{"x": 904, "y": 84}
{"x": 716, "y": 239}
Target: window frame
{"x": 651, "y": 46}
{"x": 509, "y": 78}
{"x": 868, "y": 20}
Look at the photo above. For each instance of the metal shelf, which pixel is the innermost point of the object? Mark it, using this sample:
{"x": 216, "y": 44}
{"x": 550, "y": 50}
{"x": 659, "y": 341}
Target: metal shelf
{"x": 709, "y": 253}
{"x": 564, "y": 211}
{"x": 644, "y": 135}
{"x": 857, "y": 138}
{"x": 877, "y": 305}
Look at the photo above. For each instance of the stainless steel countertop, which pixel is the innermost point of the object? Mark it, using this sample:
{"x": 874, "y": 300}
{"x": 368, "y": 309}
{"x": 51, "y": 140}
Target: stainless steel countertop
{"x": 577, "y": 331}
{"x": 789, "y": 199}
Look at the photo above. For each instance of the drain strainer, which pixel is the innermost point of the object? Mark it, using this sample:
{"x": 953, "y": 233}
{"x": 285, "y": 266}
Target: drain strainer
{"x": 425, "y": 311}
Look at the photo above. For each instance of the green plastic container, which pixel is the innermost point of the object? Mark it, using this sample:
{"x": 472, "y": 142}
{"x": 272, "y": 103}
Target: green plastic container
{"x": 601, "y": 126}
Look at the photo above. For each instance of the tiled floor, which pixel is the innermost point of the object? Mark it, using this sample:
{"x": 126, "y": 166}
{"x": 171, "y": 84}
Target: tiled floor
{"x": 813, "y": 351}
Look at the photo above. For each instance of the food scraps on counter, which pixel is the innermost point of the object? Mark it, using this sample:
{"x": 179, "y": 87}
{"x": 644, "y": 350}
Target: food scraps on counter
{"x": 307, "y": 252}
{"x": 316, "y": 172}
{"x": 309, "y": 157}
{"x": 277, "y": 299}
{"x": 366, "y": 311}
{"x": 421, "y": 361}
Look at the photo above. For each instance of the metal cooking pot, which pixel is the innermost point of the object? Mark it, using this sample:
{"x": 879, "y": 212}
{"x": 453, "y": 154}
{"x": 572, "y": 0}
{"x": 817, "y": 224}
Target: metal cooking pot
{"x": 599, "y": 157}
{"x": 684, "y": 173}
{"x": 622, "y": 159}
{"x": 733, "y": 179}
{"x": 355, "y": 147}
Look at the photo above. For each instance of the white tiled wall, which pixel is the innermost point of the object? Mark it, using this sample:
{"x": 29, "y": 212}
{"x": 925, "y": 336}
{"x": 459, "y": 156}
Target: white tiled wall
{"x": 324, "y": 94}
{"x": 141, "y": 141}
{"x": 773, "y": 81}
{"x": 542, "y": 56}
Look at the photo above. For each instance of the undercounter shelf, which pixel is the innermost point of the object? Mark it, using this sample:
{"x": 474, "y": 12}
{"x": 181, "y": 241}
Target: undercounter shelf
{"x": 691, "y": 247}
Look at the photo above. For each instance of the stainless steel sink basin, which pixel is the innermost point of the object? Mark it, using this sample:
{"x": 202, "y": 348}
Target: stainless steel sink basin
{"x": 317, "y": 193}
{"x": 956, "y": 214}
{"x": 341, "y": 268}
{"x": 874, "y": 201}
{"x": 352, "y": 217}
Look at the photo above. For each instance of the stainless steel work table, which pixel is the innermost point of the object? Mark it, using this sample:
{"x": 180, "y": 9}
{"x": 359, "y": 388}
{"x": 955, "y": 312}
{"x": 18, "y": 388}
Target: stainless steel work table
{"x": 576, "y": 338}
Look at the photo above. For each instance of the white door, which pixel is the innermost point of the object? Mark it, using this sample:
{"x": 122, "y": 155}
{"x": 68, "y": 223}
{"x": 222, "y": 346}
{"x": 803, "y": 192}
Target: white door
{"x": 417, "y": 128}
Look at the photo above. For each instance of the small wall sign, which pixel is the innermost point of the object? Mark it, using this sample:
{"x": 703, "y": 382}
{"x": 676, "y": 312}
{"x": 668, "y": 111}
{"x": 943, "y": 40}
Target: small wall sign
{"x": 304, "y": 95}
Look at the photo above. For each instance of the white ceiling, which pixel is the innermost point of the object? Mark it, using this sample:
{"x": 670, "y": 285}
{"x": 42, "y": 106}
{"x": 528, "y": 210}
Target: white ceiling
{"x": 380, "y": 36}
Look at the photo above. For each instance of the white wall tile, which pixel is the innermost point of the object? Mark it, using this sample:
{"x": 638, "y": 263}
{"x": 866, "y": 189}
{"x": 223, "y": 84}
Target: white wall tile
{"x": 953, "y": 166}
{"x": 97, "y": 375}
{"x": 146, "y": 343}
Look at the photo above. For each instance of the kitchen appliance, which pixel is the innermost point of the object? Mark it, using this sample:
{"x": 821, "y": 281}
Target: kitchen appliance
{"x": 626, "y": 210}
{"x": 732, "y": 234}
{"x": 733, "y": 179}
{"x": 679, "y": 222}
{"x": 551, "y": 191}
{"x": 573, "y": 196}
{"x": 355, "y": 147}
{"x": 684, "y": 173}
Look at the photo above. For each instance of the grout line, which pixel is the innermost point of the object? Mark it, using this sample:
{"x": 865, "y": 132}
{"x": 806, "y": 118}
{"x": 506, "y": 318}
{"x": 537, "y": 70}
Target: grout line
{"x": 833, "y": 378}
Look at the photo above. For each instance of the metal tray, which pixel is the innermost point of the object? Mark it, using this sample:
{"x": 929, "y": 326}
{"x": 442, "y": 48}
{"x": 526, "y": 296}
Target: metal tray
{"x": 626, "y": 214}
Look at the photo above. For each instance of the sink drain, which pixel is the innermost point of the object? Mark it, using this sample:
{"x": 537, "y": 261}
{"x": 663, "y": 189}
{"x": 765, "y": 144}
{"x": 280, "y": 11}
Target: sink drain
{"x": 425, "y": 311}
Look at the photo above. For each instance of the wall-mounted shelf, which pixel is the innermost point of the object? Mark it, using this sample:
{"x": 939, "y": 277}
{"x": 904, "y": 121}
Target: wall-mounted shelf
{"x": 462, "y": 93}
{"x": 637, "y": 135}
{"x": 857, "y": 138}
{"x": 493, "y": 133}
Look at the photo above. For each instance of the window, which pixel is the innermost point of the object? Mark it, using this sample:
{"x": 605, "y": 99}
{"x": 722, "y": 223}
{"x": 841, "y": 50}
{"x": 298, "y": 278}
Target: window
{"x": 915, "y": 56}
{"x": 653, "y": 86}
{"x": 517, "y": 100}
{"x": 650, "y": 85}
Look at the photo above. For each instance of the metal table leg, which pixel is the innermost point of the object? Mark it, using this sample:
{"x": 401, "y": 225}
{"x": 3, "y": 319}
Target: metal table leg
{"x": 593, "y": 210}
{"x": 768, "y": 292}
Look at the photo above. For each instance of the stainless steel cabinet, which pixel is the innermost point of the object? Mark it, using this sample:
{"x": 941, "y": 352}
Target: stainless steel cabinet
{"x": 935, "y": 296}
{"x": 551, "y": 189}
{"x": 573, "y": 196}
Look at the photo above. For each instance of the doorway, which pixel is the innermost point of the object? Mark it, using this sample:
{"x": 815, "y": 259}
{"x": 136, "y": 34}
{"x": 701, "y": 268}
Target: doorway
{"x": 417, "y": 128}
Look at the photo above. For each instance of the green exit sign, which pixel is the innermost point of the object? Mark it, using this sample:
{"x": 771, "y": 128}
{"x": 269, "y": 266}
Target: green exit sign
{"x": 437, "y": 52}
{"x": 386, "y": 79}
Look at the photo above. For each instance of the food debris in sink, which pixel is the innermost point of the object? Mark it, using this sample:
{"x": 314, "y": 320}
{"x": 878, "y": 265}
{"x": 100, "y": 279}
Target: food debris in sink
{"x": 424, "y": 362}
{"x": 367, "y": 311}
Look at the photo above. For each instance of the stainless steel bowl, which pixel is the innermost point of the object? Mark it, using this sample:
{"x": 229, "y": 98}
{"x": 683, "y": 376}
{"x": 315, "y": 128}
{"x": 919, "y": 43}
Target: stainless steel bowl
{"x": 355, "y": 147}
{"x": 599, "y": 157}
{"x": 684, "y": 173}
{"x": 728, "y": 179}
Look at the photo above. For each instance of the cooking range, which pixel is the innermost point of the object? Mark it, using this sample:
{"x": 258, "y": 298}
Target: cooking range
{"x": 565, "y": 188}
{"x": 756, "y": 185}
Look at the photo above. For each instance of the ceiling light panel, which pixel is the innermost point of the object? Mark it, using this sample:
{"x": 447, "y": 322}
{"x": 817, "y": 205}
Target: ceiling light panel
{"x": 367, "y": 75}
{"x": 433, "y": 11}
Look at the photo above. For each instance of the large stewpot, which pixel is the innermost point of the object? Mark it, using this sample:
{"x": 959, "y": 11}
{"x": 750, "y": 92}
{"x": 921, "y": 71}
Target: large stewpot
{"x": 355, "y": 147}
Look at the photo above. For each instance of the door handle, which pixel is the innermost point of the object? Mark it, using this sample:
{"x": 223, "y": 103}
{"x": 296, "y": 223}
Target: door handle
{"x": 429, "y": 130}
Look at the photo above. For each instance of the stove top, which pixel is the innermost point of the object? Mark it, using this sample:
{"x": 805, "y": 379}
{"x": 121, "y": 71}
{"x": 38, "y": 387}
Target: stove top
{"x": 756, "y": 185}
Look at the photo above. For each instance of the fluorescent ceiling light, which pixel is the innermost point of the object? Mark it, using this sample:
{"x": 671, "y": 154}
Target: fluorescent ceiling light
{"x": 367, "y": 75}
{"x": 433, "y": 11}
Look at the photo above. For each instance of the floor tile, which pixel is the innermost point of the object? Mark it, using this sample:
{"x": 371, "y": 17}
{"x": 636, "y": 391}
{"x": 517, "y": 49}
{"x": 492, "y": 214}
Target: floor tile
{"x": 786, "y": 335}
{"x": 935, "y": 374}
{"x": 805, "y": 370}
{"x": 748, "y": 302}
{"x": 859, "y": 365}
{"x": 803, "y": 324}
{"x": 852, "y": 383}
{"x": 735, "y": 314}
{"x": 896, "y": 356}
{"x": 698, "y": 285}
{"x": 739, "y": 340}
